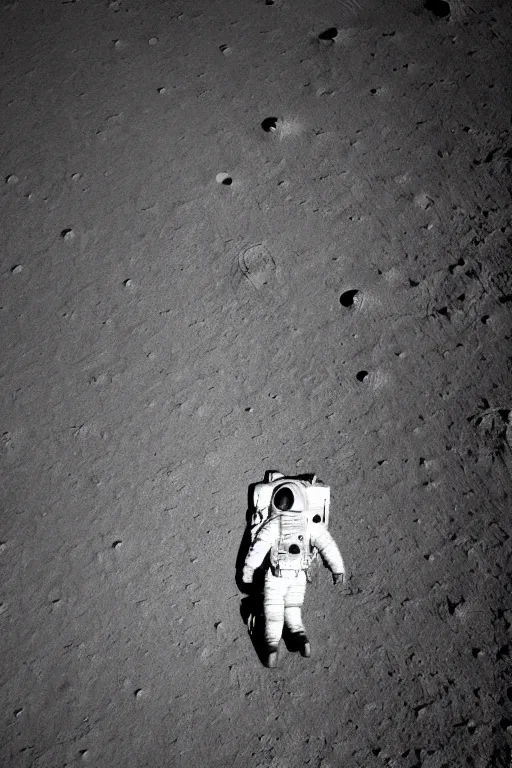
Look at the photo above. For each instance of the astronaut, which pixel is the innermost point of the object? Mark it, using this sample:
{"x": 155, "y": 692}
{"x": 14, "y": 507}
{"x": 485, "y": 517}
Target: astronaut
{"x": 287, "y": 541}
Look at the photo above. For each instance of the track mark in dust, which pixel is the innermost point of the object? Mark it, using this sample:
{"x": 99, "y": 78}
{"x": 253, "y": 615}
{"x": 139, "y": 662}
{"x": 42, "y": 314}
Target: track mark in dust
{"x": 257, "y": 265}
{"x": 352, "y": 7}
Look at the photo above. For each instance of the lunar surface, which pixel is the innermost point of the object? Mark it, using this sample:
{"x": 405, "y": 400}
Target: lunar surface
{"x": 242, "y": 235}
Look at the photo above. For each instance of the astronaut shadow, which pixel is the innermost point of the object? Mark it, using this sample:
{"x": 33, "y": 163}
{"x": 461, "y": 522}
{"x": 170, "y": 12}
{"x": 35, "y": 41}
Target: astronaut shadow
{"x": 251, "y": 605}
{"x": 251, "y": 611}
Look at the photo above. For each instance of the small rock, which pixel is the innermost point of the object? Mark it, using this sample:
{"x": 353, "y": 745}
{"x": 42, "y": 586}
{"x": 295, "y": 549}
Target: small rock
{"x": 17, "y": 269}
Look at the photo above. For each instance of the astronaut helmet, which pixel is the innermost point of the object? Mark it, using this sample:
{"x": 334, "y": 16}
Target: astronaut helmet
{"x": 288, "y": 498}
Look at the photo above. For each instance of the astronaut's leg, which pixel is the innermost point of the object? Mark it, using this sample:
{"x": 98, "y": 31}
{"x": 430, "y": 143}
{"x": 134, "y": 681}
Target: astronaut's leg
{"x": 273, "y": 606}
{"x": 293, "y": 601}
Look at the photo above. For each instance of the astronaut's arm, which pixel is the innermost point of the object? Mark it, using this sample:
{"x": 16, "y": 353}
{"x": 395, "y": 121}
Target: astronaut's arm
{"x": 328, "y": 548}
{"x": 257, "y": 552}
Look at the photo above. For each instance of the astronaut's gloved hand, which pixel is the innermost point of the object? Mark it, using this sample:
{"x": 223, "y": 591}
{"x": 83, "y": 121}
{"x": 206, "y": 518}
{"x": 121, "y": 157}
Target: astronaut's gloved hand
{"x": 338, "y": 578}
{"x": 247, "y": 574}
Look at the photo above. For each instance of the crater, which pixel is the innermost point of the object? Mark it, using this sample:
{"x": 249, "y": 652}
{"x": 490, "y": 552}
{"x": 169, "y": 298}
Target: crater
{"x": 328, "y": 34}
{"x": 224, "y": 178}
{"x": 269, "y": 124}
{"x": 348, "y": 298}
{"x": 439, "y": 8}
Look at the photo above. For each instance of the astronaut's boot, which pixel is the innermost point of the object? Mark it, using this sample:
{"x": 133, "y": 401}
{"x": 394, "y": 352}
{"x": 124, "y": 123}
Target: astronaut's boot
{"x": 271, "y": 657}
{"x": 301, "y": 642}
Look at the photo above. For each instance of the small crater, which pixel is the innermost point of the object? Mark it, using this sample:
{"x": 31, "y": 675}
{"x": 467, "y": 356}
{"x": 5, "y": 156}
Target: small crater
{"x": 224, "y": 178}
{"x": 362, "y": 375}
{"x": 68, "y": 235}
{"x": 11, "y": 179}
{"x": 328, "y": 34}
{"x": 453, "y": 606}
{"x": 484, "y": 319}
{"x": 348, "y": 298}
{"x": 17, "y": 712}
{"x": 17, "y": 269}
{"x": 439, "y": 8}
{"x": 153, "y": 41}
{"x": 269, "y": 124}
{"x": 476, "y": 652}
{"x": 225, "y": 50}
{"x": 116, "y": 544}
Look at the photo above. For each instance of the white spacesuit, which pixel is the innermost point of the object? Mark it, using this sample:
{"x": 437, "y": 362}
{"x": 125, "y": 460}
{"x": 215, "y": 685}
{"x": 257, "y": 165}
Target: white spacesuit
{"x": 291, "y": 536}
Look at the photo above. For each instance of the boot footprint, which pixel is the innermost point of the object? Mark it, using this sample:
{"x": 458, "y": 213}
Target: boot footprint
{"x": 257, "y": 265}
